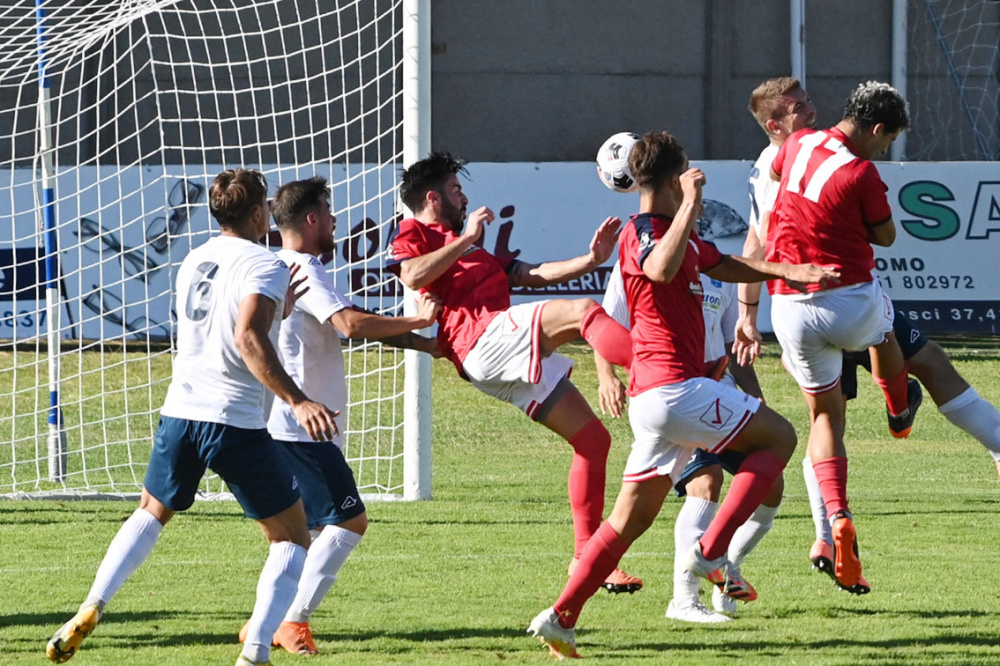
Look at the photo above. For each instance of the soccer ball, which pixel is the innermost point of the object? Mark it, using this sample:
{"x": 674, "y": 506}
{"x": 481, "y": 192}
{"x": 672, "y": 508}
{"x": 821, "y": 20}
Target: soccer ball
{"x": 612, "y": 162}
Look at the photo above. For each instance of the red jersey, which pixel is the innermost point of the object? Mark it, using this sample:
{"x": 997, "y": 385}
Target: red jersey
{"x": 827, "y": 200}
{"x": 472, "y": 290}
{"x": 668, "y": 327}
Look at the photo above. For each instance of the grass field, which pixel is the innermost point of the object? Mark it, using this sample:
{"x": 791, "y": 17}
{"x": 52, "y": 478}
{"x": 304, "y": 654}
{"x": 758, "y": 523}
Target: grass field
{"x": 456, "y": 580}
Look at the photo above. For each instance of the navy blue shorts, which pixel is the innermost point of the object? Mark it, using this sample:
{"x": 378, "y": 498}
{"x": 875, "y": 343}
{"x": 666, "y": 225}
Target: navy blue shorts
{"x": 730, "y": 461}
{"x": 249, "y": 461}
{"x": 325, "y": 480}
{"x": 910, "y": 341}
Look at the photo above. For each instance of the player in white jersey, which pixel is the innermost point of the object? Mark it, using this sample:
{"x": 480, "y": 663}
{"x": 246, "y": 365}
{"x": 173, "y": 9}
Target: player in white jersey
{"x": 701, "y": 481}
{"x": 230, "y": 295}
{"x": 311, "y": 352}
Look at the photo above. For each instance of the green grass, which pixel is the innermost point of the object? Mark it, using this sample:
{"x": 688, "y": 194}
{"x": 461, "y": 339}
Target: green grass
{"x": 455, "y": 580}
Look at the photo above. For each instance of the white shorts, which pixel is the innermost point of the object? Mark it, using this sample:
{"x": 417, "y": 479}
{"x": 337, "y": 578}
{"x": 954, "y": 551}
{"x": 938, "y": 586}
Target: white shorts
{"x": 669, "y": 422}
{"x": 813, "y": 330}
{"x": 506, "y": 362}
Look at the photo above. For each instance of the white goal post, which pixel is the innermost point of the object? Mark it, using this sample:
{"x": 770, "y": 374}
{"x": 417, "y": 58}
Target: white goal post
{"x": 115, "y": 115}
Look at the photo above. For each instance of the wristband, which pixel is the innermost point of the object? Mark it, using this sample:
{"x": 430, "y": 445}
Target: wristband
{"x": 749, "y": 305}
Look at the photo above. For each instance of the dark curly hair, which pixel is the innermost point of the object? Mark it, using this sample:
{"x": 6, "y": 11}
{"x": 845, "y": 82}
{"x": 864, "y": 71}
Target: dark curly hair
{"x": 874, "y": 102}
{"x": 425, "y": 175}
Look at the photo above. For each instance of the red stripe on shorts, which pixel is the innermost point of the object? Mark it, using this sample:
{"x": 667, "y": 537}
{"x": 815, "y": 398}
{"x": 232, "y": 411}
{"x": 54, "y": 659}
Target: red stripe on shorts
{"x": 822, "y": 389}
{"x": 641, "y": 476}
{"x": 535, "y": 367}
{"x": 728, "y": 439}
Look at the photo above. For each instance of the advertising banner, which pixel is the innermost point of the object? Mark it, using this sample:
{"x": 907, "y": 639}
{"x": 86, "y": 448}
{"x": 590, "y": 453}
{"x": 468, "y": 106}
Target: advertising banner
{"x": 943, "y": 270}
{"x": 122, "y": 234}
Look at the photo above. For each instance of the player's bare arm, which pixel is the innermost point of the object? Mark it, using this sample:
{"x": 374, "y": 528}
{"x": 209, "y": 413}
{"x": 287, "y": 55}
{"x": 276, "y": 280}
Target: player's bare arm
{"x": 745, "y": 376}
{"x": 358, "y": 323}
{"x": 746, "y": 346}
{"x": 253, "y": 320}
{"x": 602, "y": 245}
{"x": 744, "y": 269}
{"x": 667, "y": 256}
{"x": 418, "y": 272}
{"x": 882, "y": 234}
{"x": 392, "y": 331}
{"x": 610, "y": 390}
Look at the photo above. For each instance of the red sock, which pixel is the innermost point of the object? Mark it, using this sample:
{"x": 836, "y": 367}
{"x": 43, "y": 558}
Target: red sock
{"x": 749, "y": 487}
{"x": 832, "y": 476}
{"x": 586, "y": 481}
{"x": 608, "y": 338}
{"x": 598, "y": 560}
{"x": 895, "y": 389}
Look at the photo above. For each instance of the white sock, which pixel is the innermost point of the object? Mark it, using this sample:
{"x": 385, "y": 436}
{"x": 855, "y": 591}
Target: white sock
{"x": 275, "y": 591}
{"x": 130, "y": 548}
{"x": 692, "y": 521}
{"x": 751, "y": 532}
{"x": 976, "y": 417}
{"x": 816, "y": 502}
{"x": 327, "y": 554}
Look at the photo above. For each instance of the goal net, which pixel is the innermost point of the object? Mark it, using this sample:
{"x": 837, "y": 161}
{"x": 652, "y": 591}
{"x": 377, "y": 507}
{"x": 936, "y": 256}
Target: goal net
{"x": 953, "y": 60}
{"x": 115, "y": 116}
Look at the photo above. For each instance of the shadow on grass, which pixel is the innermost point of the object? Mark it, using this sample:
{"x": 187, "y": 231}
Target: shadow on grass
{"x": 144, "y": 630}
{"x": 113, "y": 618}
{"x": 146, "y": 633}
{"x": 782, "y": 647}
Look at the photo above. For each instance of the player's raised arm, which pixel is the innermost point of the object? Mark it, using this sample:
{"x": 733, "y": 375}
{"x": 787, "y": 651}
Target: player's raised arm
{"x": 602, "y": 245}
{"x": 665, "y": 260}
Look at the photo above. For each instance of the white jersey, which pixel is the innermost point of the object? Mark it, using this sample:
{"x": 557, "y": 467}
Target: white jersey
{"x": 763, "y": 190}
{"x": 718, "y": 306}
{"x": 310, "y": 349}
{"x": 211, "y": 381}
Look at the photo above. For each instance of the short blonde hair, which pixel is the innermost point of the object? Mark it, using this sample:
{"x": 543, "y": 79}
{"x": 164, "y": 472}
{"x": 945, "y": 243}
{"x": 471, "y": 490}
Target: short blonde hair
{"x": 764, "y": 100}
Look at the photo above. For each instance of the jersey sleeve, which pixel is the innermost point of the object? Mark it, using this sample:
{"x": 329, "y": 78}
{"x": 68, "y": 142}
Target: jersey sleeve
{"x": 708, "y": 255}
{"x": 266, "y": 274}
{"x": 645, "y": 241}
{"x": 614, "y": 297}
{"x": 323, "y": 300}
{"x": 407, "y": 242}
{"x": 872, "y": 192}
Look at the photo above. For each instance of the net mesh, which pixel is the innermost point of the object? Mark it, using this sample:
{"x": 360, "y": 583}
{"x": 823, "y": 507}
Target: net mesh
{"x": 149, "y": 100}
{"x": 953, "y": 79}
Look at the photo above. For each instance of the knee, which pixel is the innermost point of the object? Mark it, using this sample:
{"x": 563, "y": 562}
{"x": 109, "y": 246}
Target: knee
{"x": 592, "y": 440}
{"x": 706, "y": 484}
{"x": 357, "y": 524}
{"x": 154, "y": 507}
{"x": 581, "y": 306}
{"x": 928, "y": 363}
{"x": 785, "y": 439}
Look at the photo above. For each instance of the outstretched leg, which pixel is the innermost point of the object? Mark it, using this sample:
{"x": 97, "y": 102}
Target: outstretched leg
{"x": 133, "y": 543}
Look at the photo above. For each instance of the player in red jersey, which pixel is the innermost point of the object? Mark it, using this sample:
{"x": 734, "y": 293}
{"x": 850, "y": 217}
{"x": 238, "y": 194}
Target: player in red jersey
{"x": 782, "y": 107}
{"x": 508, "y": 352}
{"x": 831, "y": 208}
{"x": 675, "y": 407}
